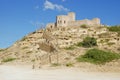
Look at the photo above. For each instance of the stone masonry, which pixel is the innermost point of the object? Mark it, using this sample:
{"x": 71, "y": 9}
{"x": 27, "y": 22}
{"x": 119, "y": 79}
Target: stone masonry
{"x": 70, "y": 21}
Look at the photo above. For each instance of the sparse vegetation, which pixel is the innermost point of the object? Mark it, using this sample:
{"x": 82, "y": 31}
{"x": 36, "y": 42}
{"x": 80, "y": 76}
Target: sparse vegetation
{"x": 89, "y": 42}
{"x": 8, "y": 59}
{"x": 29, "y": 52}
{"x": 55, "y": 64}
{"x": 79, "y": 44}
{"x": 23, "y": 39}
{"x": 97, "y": 56}
{"x": 34, "y": 32}
{"x": 70, "y": 47}
{"x": 111, "y": 43}
{"x": 69, "y": 65}
{"x": 118, "y": 33}
{"x": 1, "y": 50}
{"x": 83, "y": 26}
{"x": 25, "y": 47}
{"x": 115, "y": 29}
{"x": 33, "y": 60}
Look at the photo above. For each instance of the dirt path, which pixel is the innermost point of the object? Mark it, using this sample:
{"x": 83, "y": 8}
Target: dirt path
{"x": 24, "y": 73}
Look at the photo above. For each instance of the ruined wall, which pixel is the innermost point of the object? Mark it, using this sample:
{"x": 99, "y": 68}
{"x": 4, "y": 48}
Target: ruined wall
{"x": 62, "y": 20}
{"x": 96, "y": 21}
{"x": 50, "y": 25}
{"x": 71, "y": 16}
{"x": 78, "y": 23}
{"x": 69, "y": 20}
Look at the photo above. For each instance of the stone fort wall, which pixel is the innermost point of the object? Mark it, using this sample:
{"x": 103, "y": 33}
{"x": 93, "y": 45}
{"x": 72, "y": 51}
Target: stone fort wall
{"x": 70, "y": 21}
{"x": 94, "y": 22}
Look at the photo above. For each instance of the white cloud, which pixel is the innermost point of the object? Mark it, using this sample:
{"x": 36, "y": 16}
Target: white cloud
{"x": 50, "y": 5}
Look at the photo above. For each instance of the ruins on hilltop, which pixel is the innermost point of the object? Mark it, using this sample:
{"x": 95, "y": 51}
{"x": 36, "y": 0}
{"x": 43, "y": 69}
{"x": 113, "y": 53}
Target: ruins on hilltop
{"x": 60, "y": 42}
{"x": 70, "y": 21}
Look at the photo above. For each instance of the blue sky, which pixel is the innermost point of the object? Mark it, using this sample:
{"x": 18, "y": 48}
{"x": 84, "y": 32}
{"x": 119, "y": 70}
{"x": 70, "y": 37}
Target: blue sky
{"x": 20, "y": 17}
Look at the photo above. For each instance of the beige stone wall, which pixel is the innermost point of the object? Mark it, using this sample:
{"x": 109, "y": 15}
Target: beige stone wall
{"x": 62, "y": 20}
{"x": 96, "y": 21}
{"x": 86, "y": 22}
{"x": 76, "y": 23}
{"x": 71, "y": 16}
{"x": 69, "y": 20}
{"x": 50, "y": 25}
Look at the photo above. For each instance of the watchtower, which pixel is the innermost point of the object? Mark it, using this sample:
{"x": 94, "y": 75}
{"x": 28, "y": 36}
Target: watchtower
{"x": 96, "y": 21}
{"x": 71, "y": 16}
{"x": 63, "y": 20}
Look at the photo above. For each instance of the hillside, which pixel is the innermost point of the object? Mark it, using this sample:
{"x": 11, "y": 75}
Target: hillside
{"x": 57, "y": 47}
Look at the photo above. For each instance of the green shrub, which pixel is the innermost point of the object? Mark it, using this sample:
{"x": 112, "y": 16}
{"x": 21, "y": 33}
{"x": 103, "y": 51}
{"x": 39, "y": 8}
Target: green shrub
{"x": 55, "y": 64}
{"x": 79, "y": 44}
{"x": 69, "y": 64}
{"x": 97, "y": 56}
{"x": 83, "y": 26}
{"x": 118, "y": 33}
{"x": 8, "y": 59}
{"x": 89, "y": 42}
{"x": 115, "y": 29}
{"x": 1, "y": 50}
{"x": 111, "y": 43}
{"x": 33, "y": 60}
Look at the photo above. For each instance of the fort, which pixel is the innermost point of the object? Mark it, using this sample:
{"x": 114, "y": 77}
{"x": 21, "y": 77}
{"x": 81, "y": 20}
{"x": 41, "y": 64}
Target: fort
{"x": 70, "y": 21}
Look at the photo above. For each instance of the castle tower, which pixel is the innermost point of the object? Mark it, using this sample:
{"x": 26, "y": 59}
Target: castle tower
{"x": 62, "y": 20}
{"x": 71, "y": 16}
{"x": 96, "y": 21}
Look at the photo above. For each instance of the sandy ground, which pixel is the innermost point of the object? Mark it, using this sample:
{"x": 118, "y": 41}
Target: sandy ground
{"x": 26, "y": 73}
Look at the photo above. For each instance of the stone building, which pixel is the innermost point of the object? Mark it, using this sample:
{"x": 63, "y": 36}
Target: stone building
{"x": 70, "y": 21}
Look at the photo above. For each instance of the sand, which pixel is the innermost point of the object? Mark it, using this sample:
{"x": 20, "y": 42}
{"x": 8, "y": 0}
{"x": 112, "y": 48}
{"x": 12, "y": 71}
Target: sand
{"x": 8, "y": 72}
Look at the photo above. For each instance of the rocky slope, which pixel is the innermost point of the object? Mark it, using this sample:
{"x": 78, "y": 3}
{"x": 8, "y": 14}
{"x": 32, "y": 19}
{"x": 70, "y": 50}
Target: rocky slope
{"x": 49, "y": 46}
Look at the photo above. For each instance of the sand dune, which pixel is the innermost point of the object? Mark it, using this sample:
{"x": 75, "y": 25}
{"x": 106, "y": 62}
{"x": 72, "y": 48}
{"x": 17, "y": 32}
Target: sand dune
{"x": 24, "y": 73}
